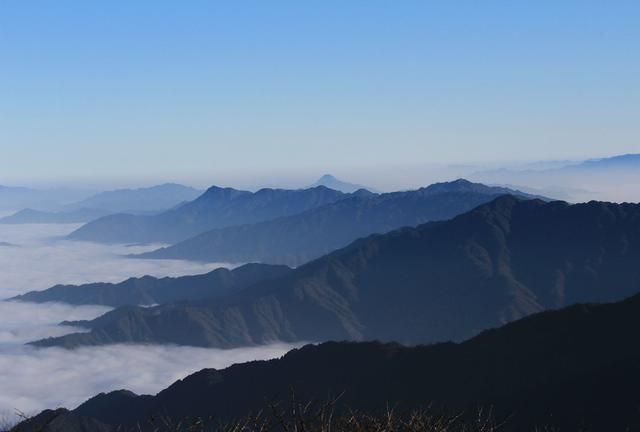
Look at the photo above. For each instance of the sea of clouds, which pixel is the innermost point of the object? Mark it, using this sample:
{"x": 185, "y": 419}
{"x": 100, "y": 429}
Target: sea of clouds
{"x": 35, "y": 257}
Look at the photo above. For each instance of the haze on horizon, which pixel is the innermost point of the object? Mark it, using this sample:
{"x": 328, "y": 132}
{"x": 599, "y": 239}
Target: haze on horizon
{"x": 277, "y": 94}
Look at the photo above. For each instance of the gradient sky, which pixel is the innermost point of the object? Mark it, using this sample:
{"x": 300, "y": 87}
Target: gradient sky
{"x": 212, "y": 90}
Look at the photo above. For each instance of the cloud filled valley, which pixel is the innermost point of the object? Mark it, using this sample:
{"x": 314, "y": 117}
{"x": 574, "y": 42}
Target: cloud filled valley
{"x": 35, "y": 257}
{"x": 32, "y": 258}
{"x": 34, "y": 379}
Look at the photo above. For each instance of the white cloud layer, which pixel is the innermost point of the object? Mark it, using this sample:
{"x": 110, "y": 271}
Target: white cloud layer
{"x": 39, "y": 259}
{"x": 23, "y": 322}
{"x": 34, "y": 379}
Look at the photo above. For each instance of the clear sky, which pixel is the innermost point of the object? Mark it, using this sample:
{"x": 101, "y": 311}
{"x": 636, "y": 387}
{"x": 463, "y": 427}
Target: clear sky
{"x": 212, "y": 90}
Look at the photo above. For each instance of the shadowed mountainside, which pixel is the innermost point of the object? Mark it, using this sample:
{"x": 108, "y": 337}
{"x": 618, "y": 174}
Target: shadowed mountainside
{"x": 149, "y": 290}
{"x": 300, "y": 238}
{"x": 217, "y": 207}
{"x": 441, "y": 281}
{"x": 577, "y": 369}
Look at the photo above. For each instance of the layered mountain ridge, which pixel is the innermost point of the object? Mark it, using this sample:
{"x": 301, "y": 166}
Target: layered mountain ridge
{"x": 297, "y": 239}
{"x": 149, "y": 290}
{"x": 440, "y": 281}
{"x": 572, "y": 369}
{"x": 139, "y": 201}
{"x": 217, "y": 207}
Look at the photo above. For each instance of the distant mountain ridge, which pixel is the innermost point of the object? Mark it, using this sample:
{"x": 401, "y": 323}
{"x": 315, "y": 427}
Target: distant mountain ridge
{"x": 631, "y": 160}
{"x": 440, "y": 281}
{"x": 141, "y": 200}
{"x": 572, "y": 369}
{"x": 137, "y": 201}
{"x": 615, "y": 178}
{"x": 14, "y": 198}
{"x": 31, "y": 216}
{"x": 294, "y": 240}
{"x": 149, "y": 290}
{"x": 627, "y": 161}
{"x": 332, "y": 182}
{"x": 216, "y": 208}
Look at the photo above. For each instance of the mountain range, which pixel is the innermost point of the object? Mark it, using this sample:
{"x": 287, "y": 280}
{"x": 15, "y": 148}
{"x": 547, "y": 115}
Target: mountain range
{"x": 628, "y": 161}
{"x": 31, "y": 216}
{"x": 14, "y": 198}
{"x": 592, "y": 166}
{"x": 327, "y": 227}
{"x": 297, "y": 239}
{"x": 440, "y": 281}
{"x": 142, "y": 200}
{"x": 149, "y": 290}
{"x": 573, "y": 369}
{"x": 612, "y": 178}
{"x": 138, "y": 201}
{"x": 216, "y": 208}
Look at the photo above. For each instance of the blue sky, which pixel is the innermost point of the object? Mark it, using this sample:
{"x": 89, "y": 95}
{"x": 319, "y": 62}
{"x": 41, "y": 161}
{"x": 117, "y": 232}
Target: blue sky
{"x": 212, "y": 91}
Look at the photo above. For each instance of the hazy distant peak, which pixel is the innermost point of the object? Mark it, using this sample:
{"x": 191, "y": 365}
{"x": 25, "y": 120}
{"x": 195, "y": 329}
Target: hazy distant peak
{"x": 139, "y": 200}
{"x": 165, "y": 187}
{"x": 158, "y": 186}
{"x": 622, "y": 161}
{"x": 332, "y": 182}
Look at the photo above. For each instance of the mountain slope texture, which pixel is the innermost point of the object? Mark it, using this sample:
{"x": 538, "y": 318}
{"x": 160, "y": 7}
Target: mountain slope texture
{"x": 572, "y": 369}
{"x": 149, "y": 290}
{"x": 216, "y": 208}
{"x": 440, "y": 281}
{"x": 297, "y": 239}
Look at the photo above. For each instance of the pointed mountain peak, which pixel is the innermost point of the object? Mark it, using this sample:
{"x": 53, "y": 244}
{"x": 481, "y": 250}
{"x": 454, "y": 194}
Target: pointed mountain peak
{"x": 330, "y": 181}
{"x": 327, "y": 177}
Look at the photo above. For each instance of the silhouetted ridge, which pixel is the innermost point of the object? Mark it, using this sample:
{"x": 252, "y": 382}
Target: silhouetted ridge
{"x": 149, "y": 290}
{"x": 573, "y": 368}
